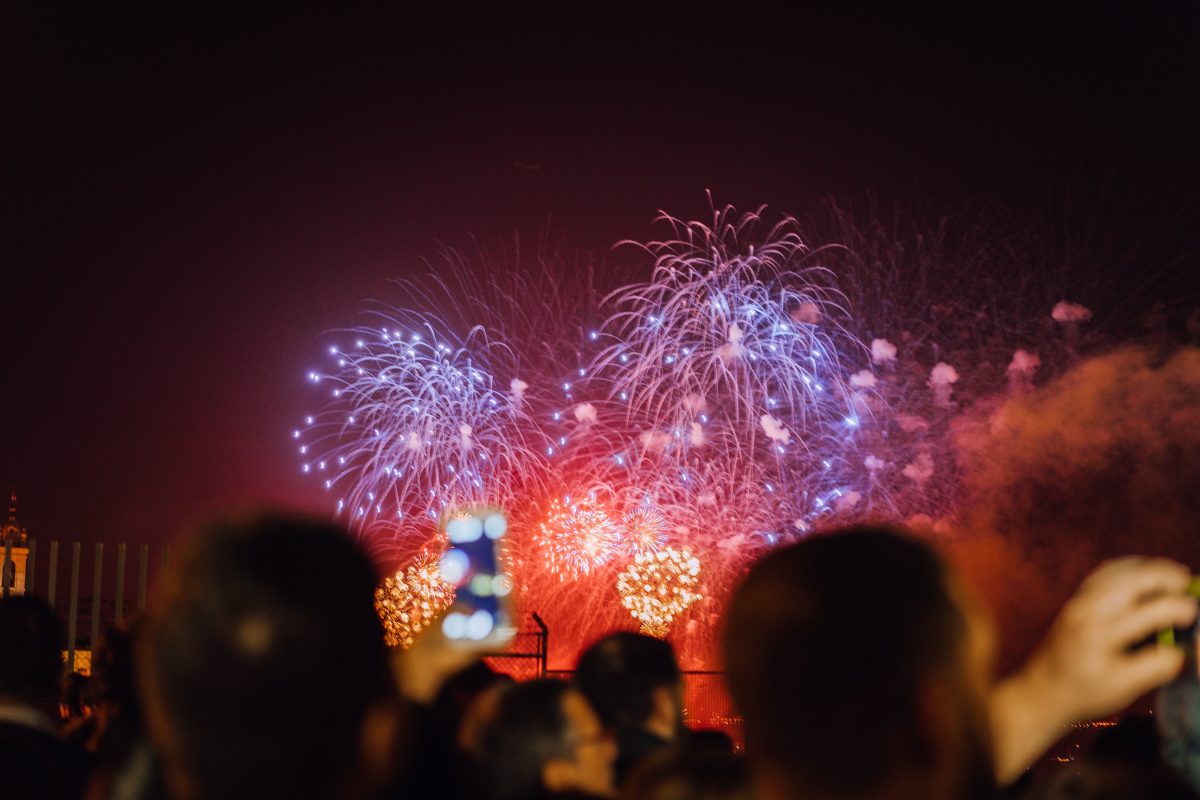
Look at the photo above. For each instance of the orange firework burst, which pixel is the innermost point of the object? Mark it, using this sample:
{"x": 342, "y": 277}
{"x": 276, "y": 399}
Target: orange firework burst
{"x": 576, "y": 539}
{"x": 408, "y": 601}
{"x": 658, "y": 587}
{"x": 643, "y": 530}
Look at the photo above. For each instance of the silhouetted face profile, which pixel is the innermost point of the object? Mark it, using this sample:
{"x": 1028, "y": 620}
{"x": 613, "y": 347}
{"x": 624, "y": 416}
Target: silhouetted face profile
{"x": 261, "y": 660}
{"x": 587, "y": 764}
{"x": 544, "y": 736}
{"x": 861, "y": 665}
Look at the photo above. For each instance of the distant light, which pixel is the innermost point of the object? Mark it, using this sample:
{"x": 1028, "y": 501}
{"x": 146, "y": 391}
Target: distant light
{"x": 454, "y": 565}
{"x": 480, "y": 625}
{"x": 495, "y": 526}
{"x": 463, "y": 530}
{"x": 454, "y": 626}
{"x": 593, "y": 336}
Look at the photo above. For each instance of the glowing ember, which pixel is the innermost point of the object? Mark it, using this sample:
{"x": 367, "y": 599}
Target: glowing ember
{"x": 408, "y": 601}
{"x": 643, "y": 530}
{"x": 577, "y": 538}
{"x": 658, "y": 587}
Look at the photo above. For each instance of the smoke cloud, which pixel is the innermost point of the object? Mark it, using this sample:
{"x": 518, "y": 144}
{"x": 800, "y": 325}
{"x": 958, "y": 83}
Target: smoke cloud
{"x": 1103, "y": 462}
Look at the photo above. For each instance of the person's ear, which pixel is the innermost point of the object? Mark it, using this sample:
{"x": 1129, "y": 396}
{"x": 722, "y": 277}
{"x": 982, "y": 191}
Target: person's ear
{"x": 558, "y": 775}
{"x": 666, "y": 711}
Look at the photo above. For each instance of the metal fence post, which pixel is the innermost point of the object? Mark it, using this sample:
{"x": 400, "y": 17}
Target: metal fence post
{"x": 52, "y": 578}
{"x": 543, "y": 644}
{"x": 119, "y": 606}
{"x": 97, "y": 585}
{"x": 73, "y": 615}
{"x": 143, "y": 560}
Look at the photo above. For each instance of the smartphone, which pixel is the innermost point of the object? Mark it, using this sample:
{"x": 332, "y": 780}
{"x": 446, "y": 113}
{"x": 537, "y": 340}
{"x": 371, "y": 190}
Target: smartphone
{"x": 481, "y": 615}
{"x": 1182, "y": 637}
{"x": 1177, "y": 706}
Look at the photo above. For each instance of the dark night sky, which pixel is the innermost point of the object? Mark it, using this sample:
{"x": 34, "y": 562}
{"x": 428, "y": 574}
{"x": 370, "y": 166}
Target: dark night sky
{"x": 190, "y": 203}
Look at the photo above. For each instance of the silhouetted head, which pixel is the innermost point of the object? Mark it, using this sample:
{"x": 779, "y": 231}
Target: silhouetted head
{"x": 630, "y": 679}
{"x": 31, "y": 642}
{"x": 690, "y": 774}
{"x": 857, "y": 662}
{"x": 544, "y": 737}
{"x": 261, "y": 660}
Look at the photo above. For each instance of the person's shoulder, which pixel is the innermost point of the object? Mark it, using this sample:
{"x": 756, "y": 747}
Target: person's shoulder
{"x": 35, "y": 763}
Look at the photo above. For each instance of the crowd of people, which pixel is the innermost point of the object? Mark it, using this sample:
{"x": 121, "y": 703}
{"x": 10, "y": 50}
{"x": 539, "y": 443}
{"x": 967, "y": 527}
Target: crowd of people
{"x": 861, "y": 661}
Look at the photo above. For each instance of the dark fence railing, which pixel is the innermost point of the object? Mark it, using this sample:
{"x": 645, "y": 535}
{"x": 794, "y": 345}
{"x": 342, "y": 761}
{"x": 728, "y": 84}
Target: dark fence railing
{"x": 99, "y": 591}
{"x": 526, "y": 657}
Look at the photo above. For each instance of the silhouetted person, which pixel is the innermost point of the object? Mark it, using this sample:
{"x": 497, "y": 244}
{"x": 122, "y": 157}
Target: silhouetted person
{"x": 263, "y": 670}
{"x": 634, "y": 683}
{"x": 76, "y": 709}
{"x": 125, "y": 764}
{"x": 862, "y": 667}
{"x": 544, "y": 740}
{"x": 861, "y": 670}
{"x": 34, "y": 762}
{"x": 1115, "y": 782}
{"x": 692, "y": 773}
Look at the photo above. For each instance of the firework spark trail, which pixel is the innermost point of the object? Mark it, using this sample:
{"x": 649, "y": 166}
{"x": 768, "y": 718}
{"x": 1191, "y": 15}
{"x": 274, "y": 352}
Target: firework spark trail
{"x": 709, "y": 412}
{"x": 658, "y": 587}
{"x": 736, "y": 338}
{"x": 408, "y": 601}
{"x": 416, "y": 424}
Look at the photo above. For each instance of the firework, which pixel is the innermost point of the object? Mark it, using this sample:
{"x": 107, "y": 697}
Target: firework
{"x": 705, "y": 408}
{"x": 644, "y": 529}
{"x": 658, "y": 587}
{"x": 735, "y": 344}
{"x": 416, "y": 425}
{"x": 576, "y": 538}
{"x": 727, "y": 326}
{"x": 408, "y": 601}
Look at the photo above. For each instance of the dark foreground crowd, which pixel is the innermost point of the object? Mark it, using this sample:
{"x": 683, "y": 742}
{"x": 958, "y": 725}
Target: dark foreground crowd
{"x": 860, "y": 661}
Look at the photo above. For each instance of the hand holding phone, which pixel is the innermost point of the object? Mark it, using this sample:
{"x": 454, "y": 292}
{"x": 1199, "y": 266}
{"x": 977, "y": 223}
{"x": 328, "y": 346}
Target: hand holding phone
{"x": 481, "y": 615}
{"x": 480, "y": 619}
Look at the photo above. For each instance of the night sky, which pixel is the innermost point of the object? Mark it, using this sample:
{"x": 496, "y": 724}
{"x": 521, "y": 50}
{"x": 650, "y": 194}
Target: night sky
{"x": 190, "y": 203}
